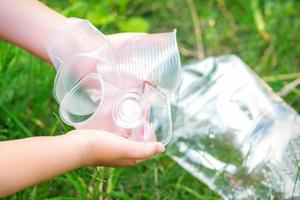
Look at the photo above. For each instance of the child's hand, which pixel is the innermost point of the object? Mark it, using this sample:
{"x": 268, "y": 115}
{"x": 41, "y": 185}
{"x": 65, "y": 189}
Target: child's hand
{"x": 28, "y": 161}
{"x": 107, "y": 149}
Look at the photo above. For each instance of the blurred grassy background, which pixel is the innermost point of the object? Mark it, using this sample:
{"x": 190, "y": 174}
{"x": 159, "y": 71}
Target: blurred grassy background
{"x": 265, "y": 34}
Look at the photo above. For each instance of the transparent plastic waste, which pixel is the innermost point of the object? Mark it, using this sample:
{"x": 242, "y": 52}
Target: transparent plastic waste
{"x": 234, "y": 134}
{"x": 124, "y": 89}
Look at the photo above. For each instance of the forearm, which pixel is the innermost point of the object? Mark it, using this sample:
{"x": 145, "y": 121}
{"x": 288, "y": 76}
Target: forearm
{"x": 29, "y": 161}
{"x": 29, "y": 24}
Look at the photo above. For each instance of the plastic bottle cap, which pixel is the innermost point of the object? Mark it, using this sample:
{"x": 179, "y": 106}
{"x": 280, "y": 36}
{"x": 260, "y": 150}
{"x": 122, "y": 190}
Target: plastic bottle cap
{"x": 128, "y": 112}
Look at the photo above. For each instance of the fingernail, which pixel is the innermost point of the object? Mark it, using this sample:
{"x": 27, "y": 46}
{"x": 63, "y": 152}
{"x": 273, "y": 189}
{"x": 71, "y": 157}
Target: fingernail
{"x": 159, "y": 148}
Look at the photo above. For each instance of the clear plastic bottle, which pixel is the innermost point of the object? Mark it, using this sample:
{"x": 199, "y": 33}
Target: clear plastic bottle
{"x": 125, "y": 90}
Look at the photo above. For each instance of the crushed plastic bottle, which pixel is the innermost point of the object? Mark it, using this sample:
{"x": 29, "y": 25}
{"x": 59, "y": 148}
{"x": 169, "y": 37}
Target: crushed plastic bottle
{"x": 124, "y": 89}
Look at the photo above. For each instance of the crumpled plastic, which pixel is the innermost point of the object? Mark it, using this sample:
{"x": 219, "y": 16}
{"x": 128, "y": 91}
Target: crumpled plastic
{"x": 119, "y": 83}
{"x": 233, "y": 133}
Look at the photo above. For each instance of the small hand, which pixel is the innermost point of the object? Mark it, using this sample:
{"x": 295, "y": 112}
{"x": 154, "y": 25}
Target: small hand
{"x": 107, "y": 149}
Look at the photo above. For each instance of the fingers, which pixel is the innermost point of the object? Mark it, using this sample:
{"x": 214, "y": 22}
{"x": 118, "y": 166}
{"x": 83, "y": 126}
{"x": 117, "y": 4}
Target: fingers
{"x": 118, "y": 147}
{"x": 109, "y": 149}
{"x": 141, "y": 150}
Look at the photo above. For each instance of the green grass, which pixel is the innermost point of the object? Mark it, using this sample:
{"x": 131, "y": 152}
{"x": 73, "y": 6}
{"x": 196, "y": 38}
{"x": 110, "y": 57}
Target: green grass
{"x": 265, "y": 34}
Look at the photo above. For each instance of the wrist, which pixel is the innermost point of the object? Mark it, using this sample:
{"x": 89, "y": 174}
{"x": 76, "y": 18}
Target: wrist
{"x": 82, "y": 146}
